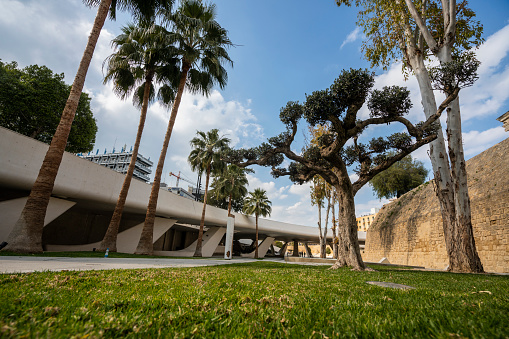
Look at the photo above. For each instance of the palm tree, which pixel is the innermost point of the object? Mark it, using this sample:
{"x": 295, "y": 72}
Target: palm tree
{"x": 199, "y": 45}
{"x": 26, "y": 235}
{"x": 231, "y": 184}
{"x": 206, "y": 157}
{"x": 258, "y": 204}
{"x": 142, "y": 59}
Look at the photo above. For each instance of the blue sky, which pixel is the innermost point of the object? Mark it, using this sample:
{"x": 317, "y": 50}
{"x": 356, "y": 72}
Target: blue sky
{"x": 285, "y": 50}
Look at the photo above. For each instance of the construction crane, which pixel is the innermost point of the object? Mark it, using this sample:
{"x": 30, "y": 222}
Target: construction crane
{"x": 180, "y": 177}
{"x": 198, "y": 184}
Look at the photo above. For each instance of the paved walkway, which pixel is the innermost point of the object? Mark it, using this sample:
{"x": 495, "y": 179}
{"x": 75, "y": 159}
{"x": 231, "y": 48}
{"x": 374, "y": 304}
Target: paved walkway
{"x": 21, "y": 264}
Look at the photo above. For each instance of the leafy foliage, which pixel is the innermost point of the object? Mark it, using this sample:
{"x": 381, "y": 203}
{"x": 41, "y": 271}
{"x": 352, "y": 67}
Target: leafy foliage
{"x": 199, "y": 44}
{"x": 384, "y": 26}
{"x": 142, "y": 56}
{"x": 207, "y": 151}
{"x": 333, "y": 114}
{"x": 400, "y": 178}
{"x": 461, "y": 72}
{"x": 229, "y": 187}
{"x": 391, "y": 101}
{"x": 32, "y": 100}
{"x": 257, "y": 203}
{"x": 139, "y": 9}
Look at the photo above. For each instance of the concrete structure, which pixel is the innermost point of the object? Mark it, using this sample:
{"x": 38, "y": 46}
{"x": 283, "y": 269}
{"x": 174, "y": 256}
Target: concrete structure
{"x": 182, "y": 192}
{"x": 409, "y": 230}
{"x": 363, "y": 222}
{"x": 85, "y": 195}
{"x": 120, "y": 162}
{"x": 28, "y": 264}
{"x": 504, "y": 119}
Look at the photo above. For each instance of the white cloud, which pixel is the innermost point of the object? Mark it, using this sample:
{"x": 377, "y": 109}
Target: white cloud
{"x": 353, "y": 36}
{"x": 476, "y": 142}
{"x": 365, "y": 208}
{"x": 42, "y": 27}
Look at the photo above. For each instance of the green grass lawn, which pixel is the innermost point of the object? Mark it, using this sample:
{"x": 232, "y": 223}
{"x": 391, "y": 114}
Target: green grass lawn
{"x": 260, "y": 299}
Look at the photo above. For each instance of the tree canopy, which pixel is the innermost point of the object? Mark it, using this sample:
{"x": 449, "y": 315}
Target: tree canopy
{"x": 229, "y": 188}
{"x": 390, "y": 28}
{"x": 331, "y": 156}
{"x": 31, "y": 103}
{"x": 400, "y": 178}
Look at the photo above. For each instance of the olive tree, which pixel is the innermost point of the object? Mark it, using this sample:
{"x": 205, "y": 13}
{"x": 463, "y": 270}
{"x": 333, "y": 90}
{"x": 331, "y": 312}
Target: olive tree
{"x": 341, "y": 148}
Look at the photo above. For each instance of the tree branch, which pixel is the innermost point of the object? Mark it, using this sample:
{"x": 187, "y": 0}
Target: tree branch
{"x": 441, "y": 108}
{"x": 367, "y": 176}
{"x": 422, "y": 26}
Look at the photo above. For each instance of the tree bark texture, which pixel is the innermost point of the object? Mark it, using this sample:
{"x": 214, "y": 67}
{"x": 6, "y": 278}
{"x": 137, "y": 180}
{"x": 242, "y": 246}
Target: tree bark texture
{"x": 320, "y": 235}
{"x": 26, "y": 236}
{"x": 349, "y": 250}
{"x": 463, "y": 256}
{"x": 110, "y": 238}
{"x": 334, "y": 228}
{"x": 451, "y": 181}
{"x": 199, "y": 242}
{"x": 146, "y": 243}
{"x": 323, "y": 243}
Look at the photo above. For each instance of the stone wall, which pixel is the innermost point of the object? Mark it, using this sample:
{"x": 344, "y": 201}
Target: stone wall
{"x": 409, "y": 230}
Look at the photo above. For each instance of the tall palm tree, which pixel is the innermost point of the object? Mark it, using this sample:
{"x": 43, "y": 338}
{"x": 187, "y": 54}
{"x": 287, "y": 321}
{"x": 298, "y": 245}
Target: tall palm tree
{"x": 141, "y": 60}
{"x": 26, "y": 235}
{"x": 199, "y": 45}
{"x": 206, "y": 157}
{"x": 231, "y": 184}
{"x": 258, "y": 204}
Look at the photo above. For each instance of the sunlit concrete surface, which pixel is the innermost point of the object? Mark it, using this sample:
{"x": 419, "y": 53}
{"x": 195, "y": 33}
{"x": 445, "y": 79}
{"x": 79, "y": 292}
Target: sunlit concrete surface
{"x": 21, "y": 264}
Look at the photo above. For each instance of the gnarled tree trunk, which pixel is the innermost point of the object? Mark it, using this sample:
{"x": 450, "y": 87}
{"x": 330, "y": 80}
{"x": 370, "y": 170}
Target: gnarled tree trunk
{"x": 26, "y": 236}
{"x": 349, "y": 252}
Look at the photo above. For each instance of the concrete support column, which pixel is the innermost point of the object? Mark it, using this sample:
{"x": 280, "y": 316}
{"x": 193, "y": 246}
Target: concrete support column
{"x": 228, "y": 242}
{"x": 308, "y": 250}
{"x": 10, "y": 211}
{"x": 262, "y": 248}
{"x": 295, "y": 248}
{"x": 282, "y": 250}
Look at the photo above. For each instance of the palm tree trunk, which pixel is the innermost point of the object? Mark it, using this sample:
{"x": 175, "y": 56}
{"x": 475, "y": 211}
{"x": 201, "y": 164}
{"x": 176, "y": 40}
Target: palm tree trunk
{"x": 256, "y": 237}
{"x": 26, "y": 236}
{"x": 110, "y": 238}
{"x": 146, "y": 243}
{"x": 198, "y": 253}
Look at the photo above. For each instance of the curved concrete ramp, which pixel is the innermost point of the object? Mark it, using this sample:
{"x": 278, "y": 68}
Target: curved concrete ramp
{"x": 10, "y": 210}
{"x": 126, "y": 240}
{"x": 211, "y": 240}
{"x": 262, "y": 248}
